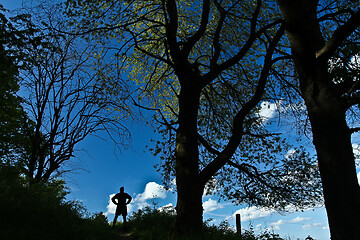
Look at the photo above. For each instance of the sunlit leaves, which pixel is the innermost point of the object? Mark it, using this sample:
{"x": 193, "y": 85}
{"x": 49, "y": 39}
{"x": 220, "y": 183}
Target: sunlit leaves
{"x": 218, "y": 49}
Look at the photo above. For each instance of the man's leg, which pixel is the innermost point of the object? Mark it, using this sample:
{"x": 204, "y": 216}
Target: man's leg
{"x": 114, "y": 222}
{"x": 124, "y": 218}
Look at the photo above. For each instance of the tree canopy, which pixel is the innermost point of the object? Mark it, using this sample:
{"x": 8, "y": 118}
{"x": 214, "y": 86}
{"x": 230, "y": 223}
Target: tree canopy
{"x": 63, "y": 98}
{"x": 16, "y": 34}
{"x": 227, "y": 50}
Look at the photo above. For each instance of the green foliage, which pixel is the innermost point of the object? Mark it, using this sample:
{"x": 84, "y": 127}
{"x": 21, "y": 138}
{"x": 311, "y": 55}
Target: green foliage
{"x": 11, "y": 114}
{"x": 222, "y": 53}
{"x": 154, "y": 224}
{"x": 40, "y": 211}
{"x": 151, "y": 224}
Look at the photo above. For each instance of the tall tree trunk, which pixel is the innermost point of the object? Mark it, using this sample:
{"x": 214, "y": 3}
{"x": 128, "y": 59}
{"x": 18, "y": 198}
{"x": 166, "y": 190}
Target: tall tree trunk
{"x": 327, "y": 114}
{"x": 332, "y": 140}
{"x": 338, "y": 173}
{"x": 189, "y": 189}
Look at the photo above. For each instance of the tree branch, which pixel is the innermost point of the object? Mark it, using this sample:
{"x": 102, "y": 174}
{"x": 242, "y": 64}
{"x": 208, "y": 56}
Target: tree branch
{"x": 189, "y": 44}
{"x": 339, "y": 36}
{"x": 239, "y": 118}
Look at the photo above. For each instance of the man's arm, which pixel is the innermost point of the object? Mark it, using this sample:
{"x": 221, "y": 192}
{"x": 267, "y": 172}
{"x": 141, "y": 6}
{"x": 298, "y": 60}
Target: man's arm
{"x": 113, "y": 200}
{"x": 129, "y": 199}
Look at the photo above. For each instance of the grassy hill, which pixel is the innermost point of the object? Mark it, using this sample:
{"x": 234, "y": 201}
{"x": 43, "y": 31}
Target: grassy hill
{"x": 41, "y": 212}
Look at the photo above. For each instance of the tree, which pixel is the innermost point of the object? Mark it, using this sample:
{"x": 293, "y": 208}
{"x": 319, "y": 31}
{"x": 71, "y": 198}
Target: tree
{"x": 65, "y": 98}
{"x": 16, "y": 33}
{"x": 324, "y": 38}
{"x": 205, "y": 75}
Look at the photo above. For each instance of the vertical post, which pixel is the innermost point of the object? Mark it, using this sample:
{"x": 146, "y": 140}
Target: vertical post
{"x": 238, "y": 224}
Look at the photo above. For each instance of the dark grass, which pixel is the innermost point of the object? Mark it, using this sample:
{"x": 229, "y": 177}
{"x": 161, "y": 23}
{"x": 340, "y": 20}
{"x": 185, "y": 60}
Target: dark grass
{"x": 40, "y": 211}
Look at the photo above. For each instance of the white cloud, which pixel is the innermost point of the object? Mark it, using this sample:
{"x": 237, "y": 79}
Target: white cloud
{"x": 355, "y": 61}
{"x": 211, "y": 186}
{"x": 111, "y": 207}
{"x": 290, "y": 153}
{"x": 312, "y": 225}
{"x": 276, "y": 225}
{"x": 275, "y": 228}
{"x": 280, "y": 222}
{"x": 169, "y": 208}
{"x": 267, "y": 110}
{"x": 306, "y": 226}
{"x": 211, "y": 205}
{"x": 356, "y": 151}
{"x": 152, "y": 191}
{"x": 299, "y": 219}
{"x": 258, "y": 227}
{"x": 251, "y": 213}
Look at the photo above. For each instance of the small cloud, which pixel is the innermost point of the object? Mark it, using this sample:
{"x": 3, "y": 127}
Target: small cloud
{"x": 211, "y": 205}
{"x": 169, "y": 208}
{"x": 355, "y": 61}
{"x": 299, "y": 219}
{"x": 356, "y": 151}
{"x": 290, "y": 153}
{"x": 211, "y": 186}
{"x": 306, "y": 226}
{"x": 258, "y": 227}
{"x": 312, "y": 225}
{"x": 152, "y": 191}
{"x": 251, "y": 213}
{"x": 280, "y": 222}
{"x": 267, "y": 110}
{"x": 276, "y": 225}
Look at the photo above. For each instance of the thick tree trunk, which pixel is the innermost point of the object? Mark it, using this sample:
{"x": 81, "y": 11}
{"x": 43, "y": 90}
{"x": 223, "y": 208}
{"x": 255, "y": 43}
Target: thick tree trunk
{"x": 332, "y": 139}
{"x": 327, "y": 113}
{"x": 189, "y": 209}
{"x": 189, "y": 189}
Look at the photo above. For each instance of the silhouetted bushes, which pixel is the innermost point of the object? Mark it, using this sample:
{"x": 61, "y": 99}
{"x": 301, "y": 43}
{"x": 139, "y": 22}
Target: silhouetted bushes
{"x": 153, "y": 224}
{"x": 40, "y": 211}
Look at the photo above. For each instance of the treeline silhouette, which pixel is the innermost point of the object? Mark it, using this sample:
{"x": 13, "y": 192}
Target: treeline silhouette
{"x": 41, "y": 211}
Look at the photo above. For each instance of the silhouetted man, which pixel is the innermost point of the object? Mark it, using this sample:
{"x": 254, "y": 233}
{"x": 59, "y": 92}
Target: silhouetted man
{"x": 122, "y": 200}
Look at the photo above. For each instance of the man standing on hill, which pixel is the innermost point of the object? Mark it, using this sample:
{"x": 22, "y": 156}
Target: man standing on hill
{"x": 122, "y": 200}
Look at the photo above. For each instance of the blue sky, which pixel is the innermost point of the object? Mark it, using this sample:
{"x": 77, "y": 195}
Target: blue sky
{"x": 105, "y": 172}
{"x": 134, "y": 170}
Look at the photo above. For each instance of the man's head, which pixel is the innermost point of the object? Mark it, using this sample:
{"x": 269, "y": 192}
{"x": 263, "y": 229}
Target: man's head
{"x": 122, "y": 189}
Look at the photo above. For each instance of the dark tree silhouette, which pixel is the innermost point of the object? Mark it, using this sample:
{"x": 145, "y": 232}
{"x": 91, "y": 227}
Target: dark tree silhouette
{"x": 204, "y": 67}
{"x": 324, "y": 38}
{"x": 65, "y": 98}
